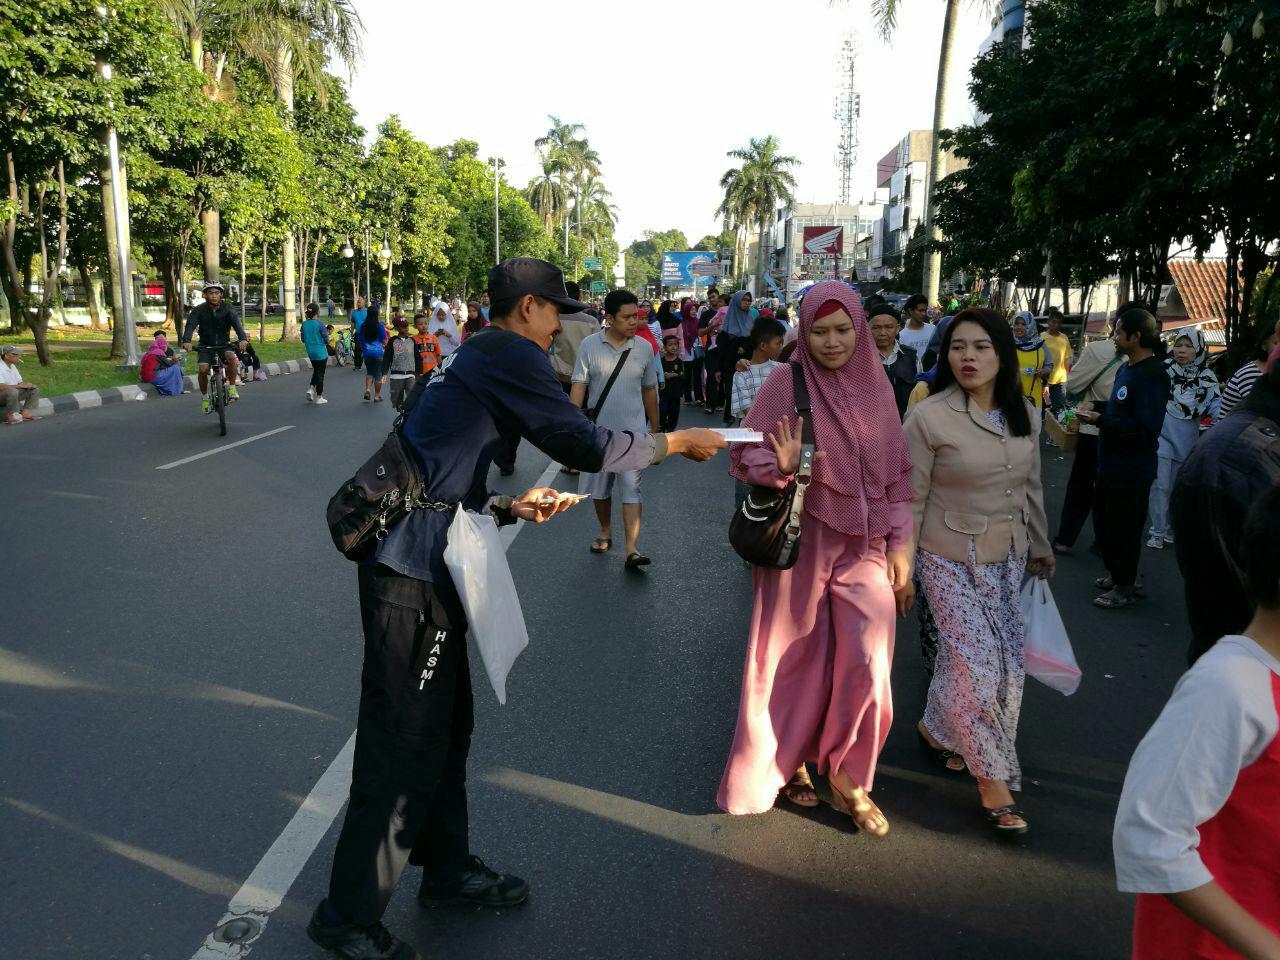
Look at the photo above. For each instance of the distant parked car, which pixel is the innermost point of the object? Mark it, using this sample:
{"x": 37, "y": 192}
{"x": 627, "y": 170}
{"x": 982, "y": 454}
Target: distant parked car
{"x": 252, "y": 307}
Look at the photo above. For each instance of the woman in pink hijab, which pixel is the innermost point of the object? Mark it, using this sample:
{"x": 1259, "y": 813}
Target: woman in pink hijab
{"x": 816, "y": 684}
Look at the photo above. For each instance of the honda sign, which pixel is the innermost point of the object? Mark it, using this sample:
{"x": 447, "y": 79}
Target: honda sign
{"x": 826, "y": 243}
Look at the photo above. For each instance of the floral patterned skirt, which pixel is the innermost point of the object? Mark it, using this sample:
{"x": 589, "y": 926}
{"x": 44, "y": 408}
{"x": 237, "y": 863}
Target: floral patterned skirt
{"x": 975, "y": 695}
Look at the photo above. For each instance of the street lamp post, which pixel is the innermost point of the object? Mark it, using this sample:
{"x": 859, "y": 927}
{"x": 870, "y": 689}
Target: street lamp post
{"x": 348, "y": 253}
{"x": 497, "y": 240}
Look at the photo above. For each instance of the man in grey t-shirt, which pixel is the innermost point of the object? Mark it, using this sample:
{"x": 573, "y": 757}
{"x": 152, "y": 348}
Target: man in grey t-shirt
{"x": 631, "y": 404}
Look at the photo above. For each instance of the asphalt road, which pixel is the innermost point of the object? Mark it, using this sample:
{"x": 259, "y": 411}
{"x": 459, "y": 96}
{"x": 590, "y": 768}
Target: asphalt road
{"x": 179, "y": 663}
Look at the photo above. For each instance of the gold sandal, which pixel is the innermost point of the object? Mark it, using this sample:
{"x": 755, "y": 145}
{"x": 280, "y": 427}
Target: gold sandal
{"x": 861, "y": 810}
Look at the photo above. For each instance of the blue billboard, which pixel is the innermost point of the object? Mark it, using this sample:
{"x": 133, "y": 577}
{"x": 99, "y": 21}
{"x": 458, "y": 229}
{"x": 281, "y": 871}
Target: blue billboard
{"x": 688, "y": 268}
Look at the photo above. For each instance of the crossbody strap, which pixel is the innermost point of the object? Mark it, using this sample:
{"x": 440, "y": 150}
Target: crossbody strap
{"x": 1097, "y": 376}
{"x": 808, "y": 447}
{"x": 604, "y": 394}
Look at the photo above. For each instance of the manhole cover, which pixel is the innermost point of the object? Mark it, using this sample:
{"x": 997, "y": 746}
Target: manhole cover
{"x": 238, "y": 930}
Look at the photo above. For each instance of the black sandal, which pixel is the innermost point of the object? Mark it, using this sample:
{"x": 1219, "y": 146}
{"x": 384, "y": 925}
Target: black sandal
{"x": 596, "y": 545}
{"x": 1114, "y": 601}
{"x": 800, "y": 782}
{"x": 1004, "y": 829}
{"x": 1106, "y": 583}
{"x": 635, "y": 561}
{"x": 941, "y": 755}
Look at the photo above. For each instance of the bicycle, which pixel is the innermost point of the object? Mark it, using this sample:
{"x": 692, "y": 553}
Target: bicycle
{"x": 341, "y": 350}
{"x": 219, "y": 398}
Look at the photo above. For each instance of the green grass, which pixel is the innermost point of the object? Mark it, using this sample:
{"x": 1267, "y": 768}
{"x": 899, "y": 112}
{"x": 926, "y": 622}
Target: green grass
{"x": 89, "y": 368}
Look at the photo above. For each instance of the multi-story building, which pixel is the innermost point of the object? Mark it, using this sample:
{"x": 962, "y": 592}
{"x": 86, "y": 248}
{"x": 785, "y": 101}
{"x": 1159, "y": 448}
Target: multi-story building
{"x": 788, "y": 259}
{"x": 903, "y": 176}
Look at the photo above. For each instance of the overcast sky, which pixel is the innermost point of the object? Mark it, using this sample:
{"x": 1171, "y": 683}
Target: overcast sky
{"x": 664, "y": 87}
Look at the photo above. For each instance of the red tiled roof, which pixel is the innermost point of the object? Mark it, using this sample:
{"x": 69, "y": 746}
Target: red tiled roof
{"x": 1202, "y": 287}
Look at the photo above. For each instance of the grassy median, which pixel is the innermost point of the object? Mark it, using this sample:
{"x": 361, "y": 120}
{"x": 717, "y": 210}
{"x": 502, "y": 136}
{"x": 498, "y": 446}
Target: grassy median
{"x": 81, "y": 364}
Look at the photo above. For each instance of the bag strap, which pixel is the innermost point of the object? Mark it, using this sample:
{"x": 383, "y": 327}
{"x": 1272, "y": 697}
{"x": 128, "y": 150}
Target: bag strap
{"x": 1096, "y": 377}
{"x": 808, "y": 447}
{"x": 604, "y": 395}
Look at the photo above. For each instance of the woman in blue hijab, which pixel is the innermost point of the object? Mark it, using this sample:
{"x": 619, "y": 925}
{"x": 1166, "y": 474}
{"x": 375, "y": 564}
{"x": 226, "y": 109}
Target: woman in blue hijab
{"x": 735, "y": 341}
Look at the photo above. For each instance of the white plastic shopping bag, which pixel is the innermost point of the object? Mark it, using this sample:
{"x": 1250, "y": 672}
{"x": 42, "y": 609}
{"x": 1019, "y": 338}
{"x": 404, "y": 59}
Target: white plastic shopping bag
{"x": 1049, "y": 657}
{"x": 478, "y": 564}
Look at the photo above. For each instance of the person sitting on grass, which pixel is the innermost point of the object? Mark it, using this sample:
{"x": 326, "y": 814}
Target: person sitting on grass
{"x": 1196, "y": 835}
{"x": 161, "y": 368}
{"x": 17, "y": 397}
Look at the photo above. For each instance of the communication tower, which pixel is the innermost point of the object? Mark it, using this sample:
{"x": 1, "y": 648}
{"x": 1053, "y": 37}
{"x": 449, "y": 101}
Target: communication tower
{"x": 847, "y": 114}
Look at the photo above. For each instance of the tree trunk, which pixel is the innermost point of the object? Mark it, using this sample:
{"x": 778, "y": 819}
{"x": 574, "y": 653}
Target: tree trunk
{"x": 90, "y": 296}
{"x": 14, "y": 291}
{"x": 314, "y": 294}
{"x": 169, "y": 276}
{"x": 759, "y": 259}
{"x": 244, "y": 252}
{"x": 933, "y": 258}
{"x": 262, "y": 307}
{"x": 211, "y": 223}
{"x": 288, "y": 266}
{"x": 121, "y": 286}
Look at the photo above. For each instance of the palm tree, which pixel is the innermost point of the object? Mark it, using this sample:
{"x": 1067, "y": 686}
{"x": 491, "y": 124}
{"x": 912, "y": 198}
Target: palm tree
{"x": 565, "y": 142}
{"x": 755, "y": 189}
{"x": 545, "y": 193}
{"x": 598, "y": 211}
{"x": 885, "y": 13}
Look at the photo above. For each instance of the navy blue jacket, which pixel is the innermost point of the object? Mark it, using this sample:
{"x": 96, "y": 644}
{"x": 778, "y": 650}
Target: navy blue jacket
{"x": 496, "y": 387}
{"x": 1129, "y": 432}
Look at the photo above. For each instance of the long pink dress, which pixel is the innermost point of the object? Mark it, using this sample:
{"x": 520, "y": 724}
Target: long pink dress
{"x": 816, "y": 684}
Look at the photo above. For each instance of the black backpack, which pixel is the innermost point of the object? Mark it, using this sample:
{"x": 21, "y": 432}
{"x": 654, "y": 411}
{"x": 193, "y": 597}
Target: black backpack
{"x": 385, "y": 490}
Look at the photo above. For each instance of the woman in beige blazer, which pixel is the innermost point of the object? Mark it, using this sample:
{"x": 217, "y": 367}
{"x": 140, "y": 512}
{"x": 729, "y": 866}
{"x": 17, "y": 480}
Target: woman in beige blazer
{"x": 979, "y": 528}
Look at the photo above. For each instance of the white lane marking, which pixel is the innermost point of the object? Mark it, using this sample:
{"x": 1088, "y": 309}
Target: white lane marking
{"x": 279, "y": 867}
{"x": 225, "y": 446}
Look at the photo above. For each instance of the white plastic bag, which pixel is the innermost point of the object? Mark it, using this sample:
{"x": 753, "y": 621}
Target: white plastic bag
{"x": 478, "y": 564}
{"x": 1049, "y": 657}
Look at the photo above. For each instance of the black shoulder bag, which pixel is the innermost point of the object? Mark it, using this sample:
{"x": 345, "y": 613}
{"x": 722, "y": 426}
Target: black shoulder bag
{"x": 765, "y": 530}
{"x": 385, "y": 490}
{"x": 593, "y": 412}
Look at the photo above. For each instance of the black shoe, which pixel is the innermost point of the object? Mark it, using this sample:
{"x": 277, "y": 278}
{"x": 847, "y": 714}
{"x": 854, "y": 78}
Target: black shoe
{"x": 352, "y": 941}
{"x": 476, "y": 886}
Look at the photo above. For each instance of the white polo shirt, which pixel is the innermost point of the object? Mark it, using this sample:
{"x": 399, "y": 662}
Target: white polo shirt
{"x": 9, "y": 373}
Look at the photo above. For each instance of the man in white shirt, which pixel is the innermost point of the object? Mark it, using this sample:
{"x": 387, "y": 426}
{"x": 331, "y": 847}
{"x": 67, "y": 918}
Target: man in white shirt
{"x": 17, "y": 397}
{"x": 917, "y": 333}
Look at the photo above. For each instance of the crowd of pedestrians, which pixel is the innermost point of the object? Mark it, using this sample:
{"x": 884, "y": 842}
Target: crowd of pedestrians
{"x": 922, "y": 497}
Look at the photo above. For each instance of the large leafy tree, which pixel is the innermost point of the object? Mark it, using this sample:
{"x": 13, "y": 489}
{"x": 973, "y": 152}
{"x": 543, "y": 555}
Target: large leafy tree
{"x": 644, "y": 256}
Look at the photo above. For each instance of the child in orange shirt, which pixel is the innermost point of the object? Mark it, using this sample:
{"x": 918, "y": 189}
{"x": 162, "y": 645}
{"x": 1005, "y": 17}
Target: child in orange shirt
{"x": 427, "y": 344}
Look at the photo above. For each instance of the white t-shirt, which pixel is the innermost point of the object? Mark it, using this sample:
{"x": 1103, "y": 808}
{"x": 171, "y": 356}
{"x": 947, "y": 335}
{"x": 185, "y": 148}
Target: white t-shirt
{"x": 1220, "y": 719}
{"x": 10, "y": 374}
{"x": 917, "y": 340}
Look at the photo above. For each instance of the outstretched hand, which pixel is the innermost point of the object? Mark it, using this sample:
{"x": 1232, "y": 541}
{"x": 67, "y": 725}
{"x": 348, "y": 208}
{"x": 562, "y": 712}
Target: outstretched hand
{"x": 541, "y": 504}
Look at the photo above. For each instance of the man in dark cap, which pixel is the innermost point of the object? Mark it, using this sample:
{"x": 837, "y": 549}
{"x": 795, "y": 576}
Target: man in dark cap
{"x": 408, "y": 792}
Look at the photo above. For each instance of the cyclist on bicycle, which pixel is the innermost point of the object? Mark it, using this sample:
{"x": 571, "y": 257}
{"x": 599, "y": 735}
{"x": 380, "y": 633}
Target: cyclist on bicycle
{"x": 214, "y": 320}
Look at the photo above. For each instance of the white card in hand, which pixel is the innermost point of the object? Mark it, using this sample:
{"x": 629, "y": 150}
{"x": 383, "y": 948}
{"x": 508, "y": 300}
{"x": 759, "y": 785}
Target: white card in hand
{"x": 739, "y": 435}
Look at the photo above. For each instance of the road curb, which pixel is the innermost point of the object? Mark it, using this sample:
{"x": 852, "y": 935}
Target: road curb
{"x": 87, "y": 399}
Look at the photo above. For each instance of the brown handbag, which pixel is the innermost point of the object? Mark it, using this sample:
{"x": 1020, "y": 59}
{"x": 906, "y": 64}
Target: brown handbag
{"x": 765, "y": 530}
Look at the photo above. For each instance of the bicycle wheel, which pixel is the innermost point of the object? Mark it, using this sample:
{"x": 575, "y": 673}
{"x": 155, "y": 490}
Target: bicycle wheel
{"x": 219, "y": 393}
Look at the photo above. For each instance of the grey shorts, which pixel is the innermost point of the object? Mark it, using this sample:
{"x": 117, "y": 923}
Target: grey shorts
{"x": 599, "y": 486}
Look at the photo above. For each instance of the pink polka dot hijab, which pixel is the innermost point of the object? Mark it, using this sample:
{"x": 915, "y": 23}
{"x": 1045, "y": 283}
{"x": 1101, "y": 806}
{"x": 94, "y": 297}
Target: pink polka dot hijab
{"x": 855, "y": 422}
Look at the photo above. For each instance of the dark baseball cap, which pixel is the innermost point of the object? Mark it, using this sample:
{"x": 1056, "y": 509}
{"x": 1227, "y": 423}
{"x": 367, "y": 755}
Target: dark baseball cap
{"x": 519, "y": 276}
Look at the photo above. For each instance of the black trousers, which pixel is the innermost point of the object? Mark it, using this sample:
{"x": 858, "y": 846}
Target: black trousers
{"x": 506, "y": 458}
{"x": 408, "y": 785}
{"x": 669, "y": 416}
{"x": 1119, "y": 515}
{"x": 317, "y": 375}
{"x": 693, "y": 381}
{"x": 711, "y": 365}
{"x": 1078, "y": 501}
